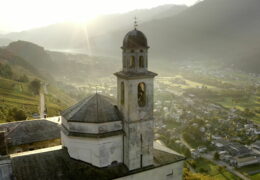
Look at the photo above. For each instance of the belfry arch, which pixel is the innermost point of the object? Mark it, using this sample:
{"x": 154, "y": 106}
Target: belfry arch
{"x": 141, "y": 93}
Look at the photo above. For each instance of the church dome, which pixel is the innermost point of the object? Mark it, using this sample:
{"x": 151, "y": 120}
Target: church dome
{"x": 93, "y": 109}
{"x": 135, "y": 39}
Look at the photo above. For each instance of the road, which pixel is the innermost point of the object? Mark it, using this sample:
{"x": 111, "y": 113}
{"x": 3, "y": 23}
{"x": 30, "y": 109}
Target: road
{"x": 220, "y": 163}
{"x": 227, "y": 166}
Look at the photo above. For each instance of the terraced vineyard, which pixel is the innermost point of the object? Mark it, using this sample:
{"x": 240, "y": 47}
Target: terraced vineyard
{"x": 15, "y": 94}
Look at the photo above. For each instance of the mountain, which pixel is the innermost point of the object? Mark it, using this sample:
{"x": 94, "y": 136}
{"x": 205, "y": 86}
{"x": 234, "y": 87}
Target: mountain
{"x": 17, "y": 62}
{"x": 62, "y": 66}
{"x": 79, "y": 68}
{"x": 71, "y": 35}
{"x": 222, "y": 30}
{"x": 4, "y": 41}
{"x": 32, "y": 53}
{"x": 16, "y": 75}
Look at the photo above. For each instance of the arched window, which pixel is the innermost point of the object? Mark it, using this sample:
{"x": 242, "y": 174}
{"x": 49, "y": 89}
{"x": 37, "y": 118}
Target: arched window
{"x": 141, "y": 95}
{"x": 132, "y": 62}
{"x": 122, "y": 93}
{"x": 141, "y": 62}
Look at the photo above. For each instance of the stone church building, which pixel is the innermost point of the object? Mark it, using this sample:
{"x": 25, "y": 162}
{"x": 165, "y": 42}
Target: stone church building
{"x": 106, "y": 139}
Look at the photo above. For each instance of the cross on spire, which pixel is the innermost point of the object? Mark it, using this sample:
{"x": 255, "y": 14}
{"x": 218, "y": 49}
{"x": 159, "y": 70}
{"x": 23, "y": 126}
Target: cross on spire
{"x": 135, "y": 23}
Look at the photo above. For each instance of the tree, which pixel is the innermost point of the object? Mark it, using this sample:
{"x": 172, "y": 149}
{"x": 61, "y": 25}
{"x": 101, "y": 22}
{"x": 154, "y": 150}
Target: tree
{"x": 35, "y": 86}
{"x": 23, "y": 78}
{"x": 216, "y": 156}
{"x": 187, "y": 152}
{"x": 6, "y": 71}
{"x": 16, "y": 114}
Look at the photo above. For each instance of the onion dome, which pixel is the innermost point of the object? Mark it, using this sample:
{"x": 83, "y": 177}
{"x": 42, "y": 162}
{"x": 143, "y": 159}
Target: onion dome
{"x": 135, "y": 39}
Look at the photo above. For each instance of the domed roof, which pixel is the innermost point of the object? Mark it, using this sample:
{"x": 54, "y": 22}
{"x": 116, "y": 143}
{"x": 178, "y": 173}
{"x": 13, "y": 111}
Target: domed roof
{"x": 135, "y": 39}
{"x": 93, "y": 109}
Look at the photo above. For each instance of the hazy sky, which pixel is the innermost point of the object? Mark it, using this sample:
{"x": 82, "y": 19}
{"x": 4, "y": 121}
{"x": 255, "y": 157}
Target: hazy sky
{"x": 17, "y": 15}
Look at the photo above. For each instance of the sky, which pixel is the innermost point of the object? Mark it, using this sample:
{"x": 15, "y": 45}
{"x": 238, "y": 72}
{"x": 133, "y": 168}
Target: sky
{"x": 18, "y": 15}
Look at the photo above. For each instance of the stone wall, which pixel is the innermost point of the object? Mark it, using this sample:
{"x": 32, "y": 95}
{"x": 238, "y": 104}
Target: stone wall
{"x": 138, "y": 123}
{"x": 100, "y": 152}
{"x": 92, "y": 128}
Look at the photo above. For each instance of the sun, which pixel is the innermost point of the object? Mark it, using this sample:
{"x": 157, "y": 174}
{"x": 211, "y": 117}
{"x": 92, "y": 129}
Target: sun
{"x": 20, "y": 15}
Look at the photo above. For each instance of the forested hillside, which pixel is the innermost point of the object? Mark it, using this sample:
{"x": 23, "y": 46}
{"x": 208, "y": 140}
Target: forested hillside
{"x": 20, "y": 85}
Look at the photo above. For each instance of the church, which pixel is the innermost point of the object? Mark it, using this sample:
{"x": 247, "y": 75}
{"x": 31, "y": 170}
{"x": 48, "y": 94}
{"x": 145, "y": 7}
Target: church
{"x": 105, "y": 139}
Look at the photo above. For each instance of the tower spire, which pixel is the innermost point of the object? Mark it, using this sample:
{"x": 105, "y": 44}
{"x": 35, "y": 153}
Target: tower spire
{"x": 135, "y": 23}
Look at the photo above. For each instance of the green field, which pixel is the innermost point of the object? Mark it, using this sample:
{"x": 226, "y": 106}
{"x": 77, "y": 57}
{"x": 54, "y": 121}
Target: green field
{"x": 250, "y": 171}
{"x": 240, "y": 96}
{"x": 206, "y": 167}
{"x": 14, "y": 94}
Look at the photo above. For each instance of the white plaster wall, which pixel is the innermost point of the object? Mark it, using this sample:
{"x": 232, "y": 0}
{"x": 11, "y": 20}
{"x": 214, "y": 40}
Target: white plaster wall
{"x": 130, "y": 108}
{"x": 99, "y": 152}
{"x": 137, "y": 121}
{"x": 93, "y": 128}
{"x": 167, "y": 172}
{"x": 134, "y": 147}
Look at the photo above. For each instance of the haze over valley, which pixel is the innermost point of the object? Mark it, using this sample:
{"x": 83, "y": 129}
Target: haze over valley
{"x": 206, "y": 94}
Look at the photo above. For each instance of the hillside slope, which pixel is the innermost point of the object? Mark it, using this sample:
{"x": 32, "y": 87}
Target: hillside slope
{"x": 69, "y": 35}
{"x": 62, "y": 66}
{"x": 15, "y": 92}
{"x": 225, "y": 30}
{"x": 220, "y": 30}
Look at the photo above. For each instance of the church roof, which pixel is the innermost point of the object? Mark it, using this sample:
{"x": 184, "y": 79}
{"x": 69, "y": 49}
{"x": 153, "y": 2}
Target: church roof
{"x": 57, "y": 164}
{"x": 25, "y": 132}
{"x": 93, "y": 109}
{"x": 135, "y": 39}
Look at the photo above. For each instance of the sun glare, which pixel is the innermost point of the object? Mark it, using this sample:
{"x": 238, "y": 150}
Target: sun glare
{"x": 28, "y": 14}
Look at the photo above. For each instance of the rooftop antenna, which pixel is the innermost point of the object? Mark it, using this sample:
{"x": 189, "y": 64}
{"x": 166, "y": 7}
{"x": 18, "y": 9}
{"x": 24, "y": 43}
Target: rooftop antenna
{"x": 135, "y": 23}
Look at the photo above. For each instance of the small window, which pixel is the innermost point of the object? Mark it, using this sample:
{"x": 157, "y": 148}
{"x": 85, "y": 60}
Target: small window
{"x": 141, "y": 62}
{"x": 132, "y": 51}
{"x": 122, "y": 93}
{"x": 141, "y": 94}
{"x": 141, "y": 50}
{"x": 132, "y": 62}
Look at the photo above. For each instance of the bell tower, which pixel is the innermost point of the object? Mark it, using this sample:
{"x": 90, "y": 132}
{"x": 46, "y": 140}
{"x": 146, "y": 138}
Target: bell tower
{"x": 135, "y": 86}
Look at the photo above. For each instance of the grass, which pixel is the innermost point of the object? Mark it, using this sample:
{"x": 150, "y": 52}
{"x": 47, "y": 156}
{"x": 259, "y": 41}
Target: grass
{"x": 251, "y": 103}
{"x": 255, "y": 177}
{"x": 194, "y": 143}
{"x": 172, "y": 124}
{"x": 215, "y": 171}
{"x": 15, "y": 94}
{"x": 251, "y": 168}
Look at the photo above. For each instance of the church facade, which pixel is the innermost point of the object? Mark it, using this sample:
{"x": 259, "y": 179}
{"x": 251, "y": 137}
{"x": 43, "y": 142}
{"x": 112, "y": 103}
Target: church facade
{"x": 106, "y": 139}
